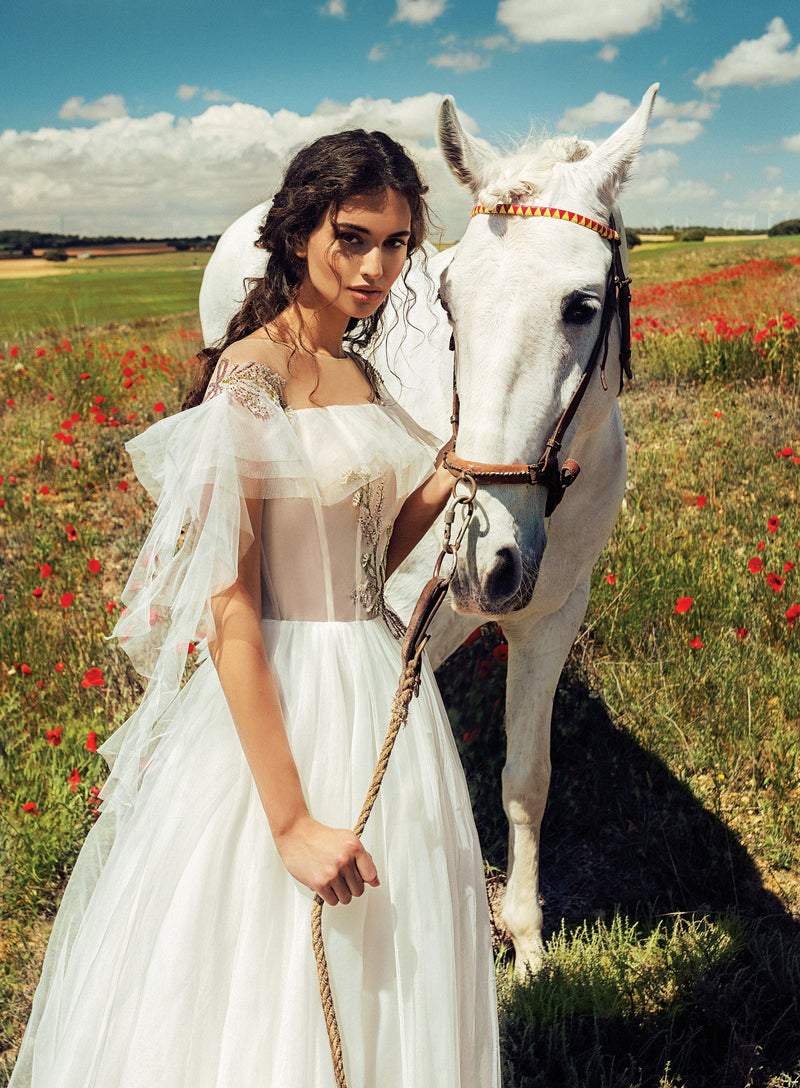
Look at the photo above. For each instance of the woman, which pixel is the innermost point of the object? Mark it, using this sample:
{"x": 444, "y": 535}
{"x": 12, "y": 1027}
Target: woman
{"x": 181, "y": 955}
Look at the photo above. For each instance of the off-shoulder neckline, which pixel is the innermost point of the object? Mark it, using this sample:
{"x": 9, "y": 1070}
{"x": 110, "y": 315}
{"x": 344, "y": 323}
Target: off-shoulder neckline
{"x": 366, "y": 368}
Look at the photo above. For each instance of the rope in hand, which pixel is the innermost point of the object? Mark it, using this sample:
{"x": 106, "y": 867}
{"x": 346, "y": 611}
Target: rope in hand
{"x": 413, "y": 644}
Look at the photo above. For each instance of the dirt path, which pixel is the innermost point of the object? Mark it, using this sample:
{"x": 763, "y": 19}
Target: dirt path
{"x": 29, "y": 268}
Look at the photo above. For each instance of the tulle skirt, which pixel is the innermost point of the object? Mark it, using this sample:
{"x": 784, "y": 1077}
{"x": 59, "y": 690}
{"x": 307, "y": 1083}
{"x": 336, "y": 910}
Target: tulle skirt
{"x": 181, "y": 956}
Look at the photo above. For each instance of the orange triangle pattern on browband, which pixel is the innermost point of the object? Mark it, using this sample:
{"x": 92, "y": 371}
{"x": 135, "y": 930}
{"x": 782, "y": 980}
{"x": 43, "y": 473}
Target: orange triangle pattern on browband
{"x": 530, "y": 210}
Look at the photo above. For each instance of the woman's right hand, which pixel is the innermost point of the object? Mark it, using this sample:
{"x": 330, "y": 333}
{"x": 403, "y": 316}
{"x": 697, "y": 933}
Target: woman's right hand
{"x": 331, "y": 861}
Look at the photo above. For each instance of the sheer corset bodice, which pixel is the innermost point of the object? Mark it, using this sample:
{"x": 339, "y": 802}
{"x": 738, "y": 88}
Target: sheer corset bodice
{"x": 324, "y": 558}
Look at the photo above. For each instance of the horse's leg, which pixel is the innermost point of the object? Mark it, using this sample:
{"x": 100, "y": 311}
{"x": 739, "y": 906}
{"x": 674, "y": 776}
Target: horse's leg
{"x": 536, "y": 655}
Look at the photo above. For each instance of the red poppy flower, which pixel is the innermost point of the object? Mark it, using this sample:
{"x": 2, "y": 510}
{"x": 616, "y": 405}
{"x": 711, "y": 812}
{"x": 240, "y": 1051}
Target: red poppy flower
{"x": 701, "y": 500}
{"x": 66, "y": 599}
{"x": 760, "y": 546}
{"x": 110, "y": 606}
{"x": 772, "y": 524}
{"x": 72, "y": 532}
{"x": 93, "y": 678}
{"x": 74, "y": 779}
{"x": 75, "y": 464}
{"x": 742, "y": 633}
{"x": 787, "y": 566}
{"x": 44, "y": 490}
{"x": 192, "y": 647}
{"x": 471, "y": 736}
{"x": 611, "y": 579}
{"x": 123, "y": 485}
{"x": 792, "y": 612}
{"x": 26, "y": 670}
{"x": 500, "y": 653}
{"x": 54, "y": 735}
{"x": 755, "y": 565}
{"x": 787, "y": 451}
{"x": 683, "y": 604}
{"x": 775, "y": 581}
{"x": 158, "y": 407}
{"x": 45, "y": 570}
{"x": 30, "y": 806}
{"x": 696, "y": 644}
{"x": 91, "y": 742}
{"x": 38, "y": 591}
{"x": 60, "y": 666}
{"x": 14, "y": 352}
{"x": 717, "y": 415}
{"x": 94, "y": 566}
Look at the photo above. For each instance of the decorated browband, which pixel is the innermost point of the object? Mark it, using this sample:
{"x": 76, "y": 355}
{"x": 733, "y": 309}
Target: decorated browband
{"x": 530, "y": 210}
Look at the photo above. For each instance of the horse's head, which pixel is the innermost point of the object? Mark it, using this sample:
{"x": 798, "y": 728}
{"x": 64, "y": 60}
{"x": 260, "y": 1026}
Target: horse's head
{"x": 525, "y": 296}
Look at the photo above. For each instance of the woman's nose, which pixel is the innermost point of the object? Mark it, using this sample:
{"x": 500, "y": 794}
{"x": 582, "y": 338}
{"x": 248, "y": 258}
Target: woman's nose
{"x": 372, "y": 264}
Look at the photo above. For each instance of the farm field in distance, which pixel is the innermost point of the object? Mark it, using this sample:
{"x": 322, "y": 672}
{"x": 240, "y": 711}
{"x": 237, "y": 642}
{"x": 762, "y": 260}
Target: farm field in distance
{"x": 671, "y": 844}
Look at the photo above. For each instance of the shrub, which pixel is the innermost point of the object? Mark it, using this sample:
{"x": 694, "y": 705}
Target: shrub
{"x": 632, "y": 238}
{"x": 693, "y": 234}
{"x": 786, "y": 226}
{"x": 55, "y": 255}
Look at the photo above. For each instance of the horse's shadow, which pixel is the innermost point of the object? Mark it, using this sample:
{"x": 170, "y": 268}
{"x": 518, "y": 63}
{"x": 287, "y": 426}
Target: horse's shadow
{"x": 622, "y": 836}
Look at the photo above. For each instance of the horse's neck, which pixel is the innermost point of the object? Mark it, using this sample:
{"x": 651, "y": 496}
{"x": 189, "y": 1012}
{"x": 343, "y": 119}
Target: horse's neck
{"x": 413, "y": 356}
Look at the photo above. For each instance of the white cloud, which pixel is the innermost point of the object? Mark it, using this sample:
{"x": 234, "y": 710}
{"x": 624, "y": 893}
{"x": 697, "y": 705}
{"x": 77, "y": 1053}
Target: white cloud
{"x": 756, "y": 61}
{"x": 673, "y": 131}
{"x": 102, "y": 109}
{"x": 791, "y": 143}
{"x": 336, "y": 8}
{"x": 217, "y": 96}
{"x": 494, "y": 41}
{"x": 164, "y": 174}
{"x": 659, "y": 192}
{"x": 680, "y": 121}
{"x": 608, "y": 53}
{"x": 378, "y": 52}
{"x": 460, "y": 62}
{"x": 581, "y": 20}
{"x": 772, "y": 173}
{"x": 418, "y": 11}
{"x": 186, "y": 92}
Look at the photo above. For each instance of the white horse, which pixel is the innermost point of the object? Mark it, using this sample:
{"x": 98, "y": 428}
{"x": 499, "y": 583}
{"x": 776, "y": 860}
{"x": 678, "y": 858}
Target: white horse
{"x": 525, "y": 293}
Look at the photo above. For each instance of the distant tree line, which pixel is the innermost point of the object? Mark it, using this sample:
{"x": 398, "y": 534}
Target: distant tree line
{"x": 24, "y": 242}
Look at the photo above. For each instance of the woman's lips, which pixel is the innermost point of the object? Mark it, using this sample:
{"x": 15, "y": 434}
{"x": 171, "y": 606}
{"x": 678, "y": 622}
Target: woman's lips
{"x": 364, "y": 293}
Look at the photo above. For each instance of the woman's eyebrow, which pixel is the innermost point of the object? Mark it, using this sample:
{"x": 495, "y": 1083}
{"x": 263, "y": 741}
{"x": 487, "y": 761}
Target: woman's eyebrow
{"x": 364, "y": 230}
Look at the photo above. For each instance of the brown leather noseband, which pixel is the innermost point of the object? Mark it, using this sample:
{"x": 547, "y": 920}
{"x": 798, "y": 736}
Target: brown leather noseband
{"x": 546, "y": 471}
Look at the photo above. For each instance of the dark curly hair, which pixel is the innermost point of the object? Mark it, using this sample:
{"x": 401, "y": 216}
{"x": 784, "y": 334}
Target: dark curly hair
{"x": 318, "y": 181}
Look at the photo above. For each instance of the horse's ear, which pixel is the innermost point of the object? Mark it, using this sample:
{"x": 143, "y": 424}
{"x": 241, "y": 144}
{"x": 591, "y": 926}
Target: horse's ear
{"x": 609, "y": 166}
{"x": 467, "y": 161}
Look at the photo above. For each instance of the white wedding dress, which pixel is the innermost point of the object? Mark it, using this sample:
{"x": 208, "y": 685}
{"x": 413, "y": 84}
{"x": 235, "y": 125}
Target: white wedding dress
{"x": 181, "y": 956}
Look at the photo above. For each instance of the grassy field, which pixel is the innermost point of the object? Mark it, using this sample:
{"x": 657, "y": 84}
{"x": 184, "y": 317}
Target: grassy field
{"x": 96, "y": 292}
{"x": 671, "y": 848}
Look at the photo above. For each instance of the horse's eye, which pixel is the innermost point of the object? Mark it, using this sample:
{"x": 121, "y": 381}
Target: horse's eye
{"x": 579, "y": 309}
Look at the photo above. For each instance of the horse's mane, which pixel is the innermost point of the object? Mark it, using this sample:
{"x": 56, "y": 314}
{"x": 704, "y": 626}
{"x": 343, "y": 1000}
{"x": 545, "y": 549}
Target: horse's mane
{"x": 519, "y": 174}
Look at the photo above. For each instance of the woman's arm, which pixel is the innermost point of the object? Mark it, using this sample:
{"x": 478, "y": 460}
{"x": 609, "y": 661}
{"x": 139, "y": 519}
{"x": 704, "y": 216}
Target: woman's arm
{"x": 327, "y": 860}
{"x": 418, "y": 513}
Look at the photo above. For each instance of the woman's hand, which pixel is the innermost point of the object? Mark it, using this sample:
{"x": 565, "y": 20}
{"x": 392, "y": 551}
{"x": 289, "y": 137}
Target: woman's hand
{"x": 331, "y": 861}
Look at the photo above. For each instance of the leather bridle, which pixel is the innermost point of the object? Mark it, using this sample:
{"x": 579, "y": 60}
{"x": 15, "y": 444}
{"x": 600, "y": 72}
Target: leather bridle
{"x": 616, "y": 299}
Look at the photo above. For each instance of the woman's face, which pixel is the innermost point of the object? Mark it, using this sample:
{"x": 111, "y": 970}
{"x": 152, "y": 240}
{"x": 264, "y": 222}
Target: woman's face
{"x": 354, "y": 257}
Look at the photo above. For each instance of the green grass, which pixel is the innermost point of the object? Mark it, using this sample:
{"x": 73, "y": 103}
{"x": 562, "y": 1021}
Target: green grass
{"x": 99, "y": 291}
{"x": 671, "y": 842}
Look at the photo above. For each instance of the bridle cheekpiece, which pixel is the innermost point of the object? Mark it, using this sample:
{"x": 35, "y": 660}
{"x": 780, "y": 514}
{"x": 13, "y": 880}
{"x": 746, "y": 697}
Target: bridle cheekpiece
{"x": 617, "y": 299}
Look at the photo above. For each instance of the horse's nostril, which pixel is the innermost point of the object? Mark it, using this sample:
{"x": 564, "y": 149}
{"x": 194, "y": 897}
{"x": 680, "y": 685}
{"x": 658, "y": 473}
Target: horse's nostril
{"x": 502, "y": 580}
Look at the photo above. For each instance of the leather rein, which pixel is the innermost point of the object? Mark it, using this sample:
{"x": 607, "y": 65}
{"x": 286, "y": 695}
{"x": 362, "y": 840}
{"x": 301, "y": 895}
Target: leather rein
{"x": 616, "y": 300}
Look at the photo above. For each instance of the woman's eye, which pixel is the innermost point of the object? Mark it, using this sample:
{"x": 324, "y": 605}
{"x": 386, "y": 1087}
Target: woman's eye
{"x": 397, "y": 243}
{"x": 579, "y": 310}
{"x": 349, "y": 238}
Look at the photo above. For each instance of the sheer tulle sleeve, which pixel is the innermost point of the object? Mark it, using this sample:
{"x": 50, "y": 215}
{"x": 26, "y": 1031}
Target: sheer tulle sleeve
{"x": 201, "y": 467}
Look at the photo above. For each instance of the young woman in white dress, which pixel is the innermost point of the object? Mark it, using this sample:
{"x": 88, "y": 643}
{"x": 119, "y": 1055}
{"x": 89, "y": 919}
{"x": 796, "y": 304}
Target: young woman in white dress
{"x": 286, "y": 494}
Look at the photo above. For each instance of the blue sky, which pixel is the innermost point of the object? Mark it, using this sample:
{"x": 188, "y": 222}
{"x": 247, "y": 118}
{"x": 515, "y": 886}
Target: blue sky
{"x": 174, "y": 117}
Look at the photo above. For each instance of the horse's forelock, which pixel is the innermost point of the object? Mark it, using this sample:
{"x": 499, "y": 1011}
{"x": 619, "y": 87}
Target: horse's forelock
{"x": 528, "y": 170}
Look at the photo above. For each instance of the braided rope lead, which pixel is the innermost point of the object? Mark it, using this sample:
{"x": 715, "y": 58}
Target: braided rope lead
{"x": 399, "y": 715}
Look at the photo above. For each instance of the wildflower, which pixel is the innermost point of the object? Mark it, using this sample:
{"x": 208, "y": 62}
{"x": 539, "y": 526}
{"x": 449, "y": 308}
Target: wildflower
{"x": 792, "y": 612}
{"x": 158, "y": 407}
{"x": 30, "y": 806}
{"x": 787, "y": 566}
{"x": 742, "y": 633}
{"x": 72, "y": 532}
{"x": 93, "y": 678}
{"x": 38, "y": 591}
{"x": 772, "y": 524}
{"x": 74, "y": 779}
{"x": 54, "y": 735}
{"x": 123, "y": 485}
{"x": 94, "y": 566}
{"x": 611, "y": 579}
{"x": 192, "y": 646}
{"x": 110, "y": 606}
{"x": 45, "y": 570}
{"x": 91, "y": 741}
{"x": 75, "y": 464}
{"x": 760, "y": 546}
{"x": 683, "y": 604}
{"x": 787, "y": 451}
{"x": 60, "y": 666}
{"x": 755, "y": 565}
{"x": 775, "y": 581}
{"x": 66, "y": 599}
{"x": 26, "y": 670}
{"x": 701, "y": 500}
{"x": 717, "y": 415}
{"x": 696, "y": 644}
{"x": 44, "y": 490}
